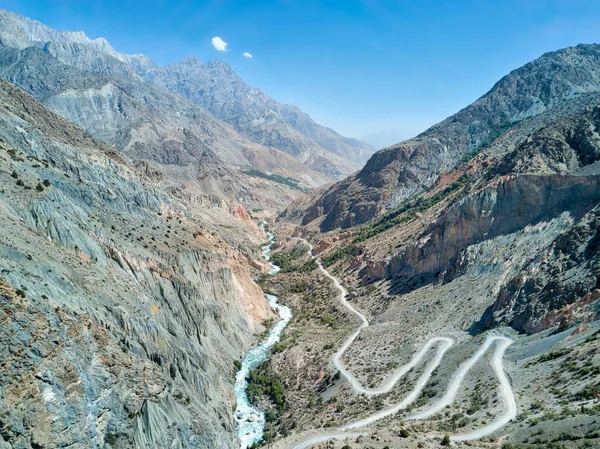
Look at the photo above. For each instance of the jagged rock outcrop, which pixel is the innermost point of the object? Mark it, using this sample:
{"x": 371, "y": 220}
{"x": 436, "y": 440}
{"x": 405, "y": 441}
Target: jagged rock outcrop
{"x": 556, "y": 290}
{"x": 565, "y": 146}
{"x": 122, "y": 307}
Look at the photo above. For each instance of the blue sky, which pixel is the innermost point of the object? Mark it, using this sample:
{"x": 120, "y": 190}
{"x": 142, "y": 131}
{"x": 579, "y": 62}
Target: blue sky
{"x": 370, "y": 67}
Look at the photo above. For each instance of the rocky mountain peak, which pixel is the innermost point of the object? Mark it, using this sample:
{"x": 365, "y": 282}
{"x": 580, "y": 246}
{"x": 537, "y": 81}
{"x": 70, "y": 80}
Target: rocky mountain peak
{"x": 21, "y": 32}
{"x": 191, "y": 61}
{"x": 400, "y": 171}
{"x": 218, "y": 64}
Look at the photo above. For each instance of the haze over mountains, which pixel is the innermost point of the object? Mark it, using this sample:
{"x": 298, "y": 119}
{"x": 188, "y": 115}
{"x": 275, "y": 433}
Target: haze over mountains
{"x": 132, "y": 281}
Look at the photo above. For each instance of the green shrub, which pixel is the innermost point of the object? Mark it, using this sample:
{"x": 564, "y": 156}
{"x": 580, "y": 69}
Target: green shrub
{"x": 237, "y": 365}
{"x": 262, "y": 382}
{"x": 290, "y": 182}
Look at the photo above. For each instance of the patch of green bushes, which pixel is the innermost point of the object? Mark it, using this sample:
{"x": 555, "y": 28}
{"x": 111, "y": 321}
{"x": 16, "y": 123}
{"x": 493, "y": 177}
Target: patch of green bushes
{"x": 290, "y": 182}
{"x": 285, "y": 260}
{"x": 262, "y": 382}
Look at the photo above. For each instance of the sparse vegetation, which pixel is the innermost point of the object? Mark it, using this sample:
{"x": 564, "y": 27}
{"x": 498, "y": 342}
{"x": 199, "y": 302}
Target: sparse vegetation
{"x": 495, "y": 132}
{"x": 290, "y": 182}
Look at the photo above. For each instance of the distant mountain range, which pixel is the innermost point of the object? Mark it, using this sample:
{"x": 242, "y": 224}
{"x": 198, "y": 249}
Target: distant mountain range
{"x": 217, "y": 88}
{"x": 119, "y": 98}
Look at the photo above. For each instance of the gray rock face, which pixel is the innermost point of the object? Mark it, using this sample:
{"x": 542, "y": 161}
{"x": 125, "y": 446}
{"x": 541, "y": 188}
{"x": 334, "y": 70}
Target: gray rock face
{"x": 541, "y": 88}
{"x": 121, "y": 307}
{"x": 20, "y": 32}
{"x": 560, "y": 291}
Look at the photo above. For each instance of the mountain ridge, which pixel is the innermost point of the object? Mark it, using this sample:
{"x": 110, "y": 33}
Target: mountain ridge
{"x": 394, "y": 174}
{"x": 220, "y": 90}
{"x": 123, "y": 303}
{"x": 342, "y": 157}
{"x": 147, "y": 122}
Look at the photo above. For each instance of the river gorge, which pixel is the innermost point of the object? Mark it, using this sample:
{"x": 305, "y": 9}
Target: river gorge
{"x": 249, "y": 419}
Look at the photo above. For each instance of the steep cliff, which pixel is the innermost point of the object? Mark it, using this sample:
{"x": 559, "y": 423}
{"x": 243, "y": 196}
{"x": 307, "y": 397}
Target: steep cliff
{"x": 122, "y": 306}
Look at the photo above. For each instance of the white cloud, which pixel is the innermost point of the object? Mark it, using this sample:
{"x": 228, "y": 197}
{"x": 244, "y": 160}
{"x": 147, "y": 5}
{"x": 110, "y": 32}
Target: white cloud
{"x": 248, "y": 55}
{"x": 219, "y": 43}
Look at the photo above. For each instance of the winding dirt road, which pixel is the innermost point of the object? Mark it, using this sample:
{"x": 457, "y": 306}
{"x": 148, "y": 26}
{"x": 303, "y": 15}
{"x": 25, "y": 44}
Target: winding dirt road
{"x": 443, "y": 344}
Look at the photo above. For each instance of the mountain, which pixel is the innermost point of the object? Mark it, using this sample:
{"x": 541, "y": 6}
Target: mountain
{"x": 430, "y": 212}
{"x": 216, "y": 87}
{"x": 123, "y": 304}
{"x": 394, "y": 174}
{"x": 485, "y": 226}
{"x": 183, "y": 141}
{"x": 510, "y": 199}
{"x": 106, "y": 97}
{"x": 451, "y": 287}
{"x": 20, "y": 32}
{"x": 511, "y": 235}
{"x": 213, "y": 86}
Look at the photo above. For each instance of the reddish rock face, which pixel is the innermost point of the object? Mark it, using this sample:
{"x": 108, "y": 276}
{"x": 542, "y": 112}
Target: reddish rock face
{"x": 509, "y": 204}
{"x": 582, "y": 309}
{"x": 237, "y": 210}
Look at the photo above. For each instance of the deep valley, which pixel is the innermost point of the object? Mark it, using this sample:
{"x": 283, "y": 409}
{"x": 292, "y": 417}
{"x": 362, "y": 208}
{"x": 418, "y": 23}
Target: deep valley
{"x": 185, "y": 262}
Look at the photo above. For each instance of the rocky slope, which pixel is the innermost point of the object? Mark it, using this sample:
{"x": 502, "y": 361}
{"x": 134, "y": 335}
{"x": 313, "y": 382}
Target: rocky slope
{"x": 506, "y": 242}
{"x": 539, "y": 179}
{"x": 216, "y": 87}
{"x": 391, "y": 176}
{"x": 123, "y": 305}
